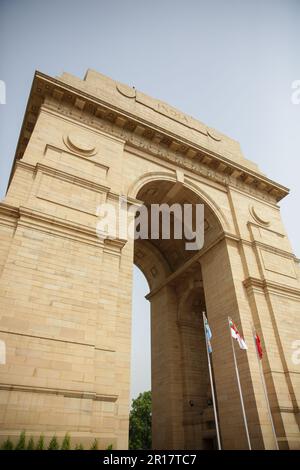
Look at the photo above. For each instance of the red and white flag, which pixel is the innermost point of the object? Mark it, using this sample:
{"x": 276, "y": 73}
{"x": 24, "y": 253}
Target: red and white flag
{"x": 258, "y": 345}
{"x": 236, "y": 335}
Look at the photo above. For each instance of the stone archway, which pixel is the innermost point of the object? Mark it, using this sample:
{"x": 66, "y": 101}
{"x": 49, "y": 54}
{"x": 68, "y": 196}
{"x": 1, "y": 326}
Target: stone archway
{"x": 66, "y": 293}
{"x": 182, "y": 413}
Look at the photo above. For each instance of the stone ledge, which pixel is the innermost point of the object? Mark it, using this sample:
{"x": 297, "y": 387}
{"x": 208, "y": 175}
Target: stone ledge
{"x": 55, "y": 391}
{"x": 253, "y": 283}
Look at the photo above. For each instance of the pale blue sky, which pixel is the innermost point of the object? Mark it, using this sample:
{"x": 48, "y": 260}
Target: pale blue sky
{"x": 229, "y": 63}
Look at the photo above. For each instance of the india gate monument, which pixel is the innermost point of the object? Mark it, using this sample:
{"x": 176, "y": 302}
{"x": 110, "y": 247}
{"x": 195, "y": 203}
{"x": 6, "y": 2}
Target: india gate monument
{"x": 66, "y": 291}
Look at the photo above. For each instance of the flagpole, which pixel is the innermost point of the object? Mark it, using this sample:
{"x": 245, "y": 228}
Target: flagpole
{"x": 265, "y": 389}
{"x": 212, "y": 386}
{"x": 240, "y": 388}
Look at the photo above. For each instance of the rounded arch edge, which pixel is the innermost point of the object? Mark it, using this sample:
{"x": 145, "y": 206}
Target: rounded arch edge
{"x": 171, "y": 176}
{"x": 210, "y": 202}
{"x": 145, "y": 178}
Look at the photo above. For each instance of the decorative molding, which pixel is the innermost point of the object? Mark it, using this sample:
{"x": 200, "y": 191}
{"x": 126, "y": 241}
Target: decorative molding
{"x": 55, "y": 226}
{"x": 175, "y": 114}
{"x": 178, "y": 158}
{"x": 269, "y": 201}
{"x": 285, "y": 409}
{"x": 187, "y": 182}
{"x": 276, "y": 263}
{"x": 125, "y": 90}
{"x": 272, "y": 249}
{"x": 77, "y": 180}
{"x": 75, "y": 155}
{"x": 8, "y": 215}
{"x": 106, "y": 116}
{"x": 114, "y": 246}
{"x": 59, "y": 391}
{"x": 214, "y": 135}
{"x": 79, "y": 142}
{"x": 266, "y": 229}
{"x": 254, "y": 212}
{"x": 252, "y": 283}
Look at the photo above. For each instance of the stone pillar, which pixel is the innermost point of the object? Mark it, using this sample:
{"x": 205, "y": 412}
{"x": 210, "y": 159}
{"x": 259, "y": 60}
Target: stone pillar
{"x": 167, "y": 393}
{"x": 219, "y": 280}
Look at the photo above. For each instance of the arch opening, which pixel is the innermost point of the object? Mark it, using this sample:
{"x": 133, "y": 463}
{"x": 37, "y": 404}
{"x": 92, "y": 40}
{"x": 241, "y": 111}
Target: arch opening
{"x": 182, "y": 413}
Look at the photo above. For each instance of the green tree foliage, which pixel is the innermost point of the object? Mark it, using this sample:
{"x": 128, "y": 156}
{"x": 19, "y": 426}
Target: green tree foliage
{"x": 66, "y": 443}
{"x": 140, "y": 422}
{"x": 40, "y": 443}
{"x": 30, "y": 445}
{"x": 94, "y": 446}
{"x": 21, "y": 444}
{"x": 53, "y": 444}
{"x": 79, "y": 447}
{"x": 7, "y": 445}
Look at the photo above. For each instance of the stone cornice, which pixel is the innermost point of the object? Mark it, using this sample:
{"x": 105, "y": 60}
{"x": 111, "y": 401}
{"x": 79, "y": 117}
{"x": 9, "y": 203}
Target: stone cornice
{"x": 141, "y": 134}
{"x": 8, "y": 210}
{"x": 199, "y": 165}
{"x": 37, "y": 220}
{"x": 72, "y": 154}
{"x": 8, "y": 215}
{"x": 252, "y": 283}
{"x": 78, "y": 180}
{"x": 285, "y": 409}
{"x": 33, "y": 219}
{"x": 271, "y": 249}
